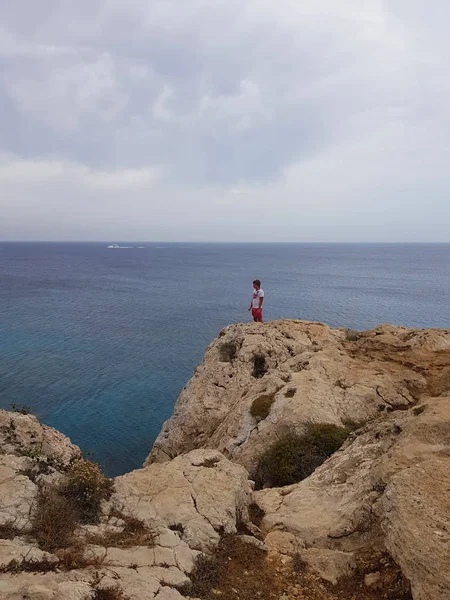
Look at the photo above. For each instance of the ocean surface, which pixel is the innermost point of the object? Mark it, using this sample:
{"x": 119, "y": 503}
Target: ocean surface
{"x": 99, "y": 342}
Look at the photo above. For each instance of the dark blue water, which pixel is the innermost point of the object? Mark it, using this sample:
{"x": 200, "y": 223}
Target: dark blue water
{"x": 100, "y": 342}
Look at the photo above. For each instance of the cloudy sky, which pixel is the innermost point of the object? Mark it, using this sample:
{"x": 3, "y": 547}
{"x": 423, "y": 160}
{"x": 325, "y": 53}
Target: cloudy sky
{"x": 224, "y": 120}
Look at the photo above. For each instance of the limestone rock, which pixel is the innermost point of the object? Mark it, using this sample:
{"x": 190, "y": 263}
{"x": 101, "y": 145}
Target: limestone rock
{"x": 201, "y": 493}
{"x": 313, "y": 373}
{"x": 395, "y": 476}
{"x": 17, "y": 492}
{"x": 23, "y": 435}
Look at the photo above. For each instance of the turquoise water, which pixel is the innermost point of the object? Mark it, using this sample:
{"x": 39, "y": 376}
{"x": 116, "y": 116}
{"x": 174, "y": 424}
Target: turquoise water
{"x": 99, "y": 342}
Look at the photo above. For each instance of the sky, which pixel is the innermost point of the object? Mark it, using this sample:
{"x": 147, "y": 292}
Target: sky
{"x": 225, "y": 120}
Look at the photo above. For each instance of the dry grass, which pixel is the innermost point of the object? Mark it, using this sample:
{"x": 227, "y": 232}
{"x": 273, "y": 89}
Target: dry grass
{"x": 60, "y": 508}
{"x": 241, "y": 571}
{"x": 26, "y": 565}
{"x": 9, "y": 531}
{"x": 54, "y": 520}
{"x": 76, "y": 558}
{"x": 135, "y": 533}
{"x": 109, "y": 593}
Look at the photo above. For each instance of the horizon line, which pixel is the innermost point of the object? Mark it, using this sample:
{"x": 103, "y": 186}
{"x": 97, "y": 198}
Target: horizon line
{"x": 211, "y": 242}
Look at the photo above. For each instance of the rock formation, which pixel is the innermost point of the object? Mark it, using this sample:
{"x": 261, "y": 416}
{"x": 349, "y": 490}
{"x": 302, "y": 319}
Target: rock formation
{"x": 385, "y": 493}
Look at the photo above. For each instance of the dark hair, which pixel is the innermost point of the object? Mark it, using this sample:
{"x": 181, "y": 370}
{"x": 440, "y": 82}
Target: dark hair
{"x": 257, "y": 282}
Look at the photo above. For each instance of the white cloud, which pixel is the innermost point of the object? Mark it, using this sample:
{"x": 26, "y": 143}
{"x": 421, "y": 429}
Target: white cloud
{"x": 256, "y": 118}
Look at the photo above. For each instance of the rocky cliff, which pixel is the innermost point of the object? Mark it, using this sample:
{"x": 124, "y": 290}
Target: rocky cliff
{"x": 371, "y": 521}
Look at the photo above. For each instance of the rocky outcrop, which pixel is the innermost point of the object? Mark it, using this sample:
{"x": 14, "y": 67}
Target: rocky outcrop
{"x": 185, "y": 506}
{"x": 314, "y": 374}
{"x": 384, "y": 493}
{"x": 386, "y": 489}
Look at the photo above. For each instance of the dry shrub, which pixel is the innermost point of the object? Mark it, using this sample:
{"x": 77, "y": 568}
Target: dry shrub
{"x": 77, "y": 499}
{"x": 54, "y": 520}
{"x": 228, "y": 351}
{"x": 75, "y": 558}
{"x": 294, "y": 457}
{"x": 290, "y": 393}
{"x": 351, "y": 335}
{"x": 26, "y": 565}
{"x": 259, "y": 366}
{"x": 418, "y": 410}
{"x": 9, "y": 531}
{"x": 256, "y": 514}
{"x": 86, "y": 486}
{"x": 298, "y": 564}
{"x": 134, "y": 533}
{"x": 109, "y": 593}
{"x": 234, "y": 570}
{"x": 261, "y": 405}
{"x": 204, "y": 576}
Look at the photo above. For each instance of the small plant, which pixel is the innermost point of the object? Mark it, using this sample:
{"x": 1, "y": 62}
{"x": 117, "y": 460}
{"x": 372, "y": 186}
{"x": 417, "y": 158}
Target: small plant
{"x": 298, "y": 564}
{"x": 259, "y": 366}
{"x": 290, "y": 393}
{"x": 86, "y": 486}
{"x": 134, "y": 533}
{"x": 418, "y": 410}
{"x": 9, "y": 531}
{"x": 204, "y": 576}
{"x": 23, "y": 410}
{"x": 109, "y": 593}
{"x": 294, "y": 457}
{"x": 352, "y": 424}
{"x": 261, "y": 406}
{"x": 26, "y": 565}
{"x": 228, "y": 351}
{"x": 351, "y": 335}
{"x": 256, "y": 514}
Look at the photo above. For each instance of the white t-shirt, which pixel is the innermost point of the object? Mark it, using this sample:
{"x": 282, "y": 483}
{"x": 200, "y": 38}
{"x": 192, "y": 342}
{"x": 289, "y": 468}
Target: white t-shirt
{"x": 257, "y": 294}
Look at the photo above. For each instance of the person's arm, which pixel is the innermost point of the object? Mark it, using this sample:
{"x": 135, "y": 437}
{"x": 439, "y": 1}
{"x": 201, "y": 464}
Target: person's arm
{"x": 261, "y": 300}
{"x": 251, "y": 304}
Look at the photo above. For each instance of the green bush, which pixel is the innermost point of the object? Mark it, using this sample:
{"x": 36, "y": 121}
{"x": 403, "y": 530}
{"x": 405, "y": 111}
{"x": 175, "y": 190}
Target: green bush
{"x": 418, "y": 410}
{"x": 261, "y": 405}
{"x": 294, "y": 457}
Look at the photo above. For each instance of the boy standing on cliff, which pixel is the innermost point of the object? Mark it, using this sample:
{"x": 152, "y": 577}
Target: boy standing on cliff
{"x": 257, "y": 301}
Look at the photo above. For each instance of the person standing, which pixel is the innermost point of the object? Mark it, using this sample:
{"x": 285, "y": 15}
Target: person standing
{"x": 257, "y": 302}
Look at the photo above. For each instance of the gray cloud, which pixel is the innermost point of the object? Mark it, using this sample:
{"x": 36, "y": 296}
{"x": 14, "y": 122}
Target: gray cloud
{"x": 316, "y": 110}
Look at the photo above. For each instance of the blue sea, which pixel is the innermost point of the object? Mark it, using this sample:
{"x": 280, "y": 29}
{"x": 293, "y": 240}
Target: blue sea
{"x": 99, "y": 342}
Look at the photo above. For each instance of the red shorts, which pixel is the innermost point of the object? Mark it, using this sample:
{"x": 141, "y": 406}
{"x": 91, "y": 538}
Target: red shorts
{"x": 257, "y": 314}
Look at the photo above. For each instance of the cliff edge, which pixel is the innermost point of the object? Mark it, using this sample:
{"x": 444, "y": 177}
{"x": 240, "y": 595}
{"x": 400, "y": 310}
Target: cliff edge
{"x": 301, "y": 461}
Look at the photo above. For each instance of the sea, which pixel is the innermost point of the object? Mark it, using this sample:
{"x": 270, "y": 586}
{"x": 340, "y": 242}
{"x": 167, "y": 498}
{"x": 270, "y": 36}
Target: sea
{"x": 99, "y": 342}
